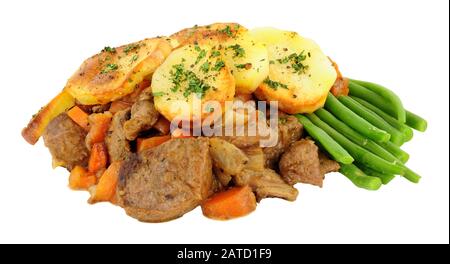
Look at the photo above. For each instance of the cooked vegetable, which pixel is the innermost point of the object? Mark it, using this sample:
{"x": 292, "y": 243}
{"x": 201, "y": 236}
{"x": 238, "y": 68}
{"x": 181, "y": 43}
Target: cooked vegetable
{"x": 407, "y": 131}
{"x": 232, "y": 203}
{"x": 353, "y": 120}
{"x": 300, "y": 75}
{"x": 99, "y": 124}
{"x": 358, "y": 153}
{"x": 106, "y": 187}
{"x": 227, "y": 156}
{"x": 354, "y": 136}
{"x": 39, "y": 122}
{"x": 176, "y": 85}
{"x": 115, "y": 73}
{"x": 359, "y": 178}
{"x": 373, "y": 118}
{"x": 389, "y": 96}
{"x": 255, "y": 157}
{"x": 98, "y": 158}
{"x": 79, "y": 116}
{"x": 81, "y": 179}
{"x": 248, "y": 61}
{"x": 395, "y": 150}
{"x": 326, "y": 142}
{"x": 146, "y": 143}
{"x": 412, "y": 120}
{"x": 384, "y": 177}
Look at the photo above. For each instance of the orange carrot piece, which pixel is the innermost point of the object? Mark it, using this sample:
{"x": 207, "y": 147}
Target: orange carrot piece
{"x": 98, "y": 158}
{"x": 106, "y": 187}
{"x": 235, "y": 202}
{"x": 99, "y": 126}
{"x": 146, "y": 143}
{"x": 162, "y": 125}
{"x": 79, "y": 116}
{"x": 81, "y": 179}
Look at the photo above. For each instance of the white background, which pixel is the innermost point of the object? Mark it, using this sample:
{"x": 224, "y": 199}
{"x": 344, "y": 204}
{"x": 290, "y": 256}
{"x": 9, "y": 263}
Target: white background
{"x": 402, "y": 44}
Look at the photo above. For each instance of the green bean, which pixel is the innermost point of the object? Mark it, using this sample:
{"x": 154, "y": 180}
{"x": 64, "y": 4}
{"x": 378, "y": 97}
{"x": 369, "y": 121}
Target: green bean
{"x": 387, "y": 94}
{"x": 374, "y": 119}
{"x": 406, "y": 130}
{"x": 412, "y": 120}
{"x": 358, "y": 153}
{"x": 416, "y": 122}
{"x": 354, "y": 136}
{"x": 353, "y": 120}
{"x": 332, "y": 147}
{"x": 384, "y": 177}
{"x": 400, "y": 154}
{"x": 359, "y": 178}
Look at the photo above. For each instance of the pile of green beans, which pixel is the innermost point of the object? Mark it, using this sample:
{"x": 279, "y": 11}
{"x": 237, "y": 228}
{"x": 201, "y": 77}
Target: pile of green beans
{"x": 364, "y": 131}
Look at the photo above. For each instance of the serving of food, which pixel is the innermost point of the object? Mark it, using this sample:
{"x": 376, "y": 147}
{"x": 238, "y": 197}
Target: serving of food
{"x": 221, "y": 117}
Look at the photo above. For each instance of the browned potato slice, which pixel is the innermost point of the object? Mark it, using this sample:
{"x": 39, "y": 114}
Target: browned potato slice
{"x": 218, "y": 32}
{"x": 227, "y": 156}
{"x": 115, "y": 72}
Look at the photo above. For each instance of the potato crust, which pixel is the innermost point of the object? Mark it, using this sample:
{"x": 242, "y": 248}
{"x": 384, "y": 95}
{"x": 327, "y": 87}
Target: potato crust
{"x": 115, "y": 72}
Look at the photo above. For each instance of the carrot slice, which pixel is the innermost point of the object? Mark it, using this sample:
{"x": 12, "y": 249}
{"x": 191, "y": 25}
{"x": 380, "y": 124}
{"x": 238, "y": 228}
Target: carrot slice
{"x": 81, "y": 179}
{"x": 235, "y": 202}
{"x": 98, "y": 158}
{"x": 99, "y": 126}
{"x": 79, "y": 116}
{"x": 146, "y": 143}
{"x": 106, "y": 187}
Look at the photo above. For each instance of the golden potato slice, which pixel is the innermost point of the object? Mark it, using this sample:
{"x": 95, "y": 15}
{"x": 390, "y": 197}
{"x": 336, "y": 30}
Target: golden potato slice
{"x": 115, "y": 72}
{"x": 300, "y": 75}
{"x": 191, "y": 76}
{"x": 210, "y": 34}
{"x": 246, "y": 58}
{"x": 61, "y": 103}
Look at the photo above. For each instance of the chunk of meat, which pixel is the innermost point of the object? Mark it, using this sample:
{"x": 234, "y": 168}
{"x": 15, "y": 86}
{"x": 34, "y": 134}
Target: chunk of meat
{"x": 266, "y": 183}
{"x": 340, "y": 86}
{"x": 65, "y": 140}
{"x": 289, "y": 131}
{"x": 165, "y": 182}
{"x": 327, "y": 165}
{"x": 116, "y": 142}
{"x": 300, "y": 163}
{"x": 143, "y": 115}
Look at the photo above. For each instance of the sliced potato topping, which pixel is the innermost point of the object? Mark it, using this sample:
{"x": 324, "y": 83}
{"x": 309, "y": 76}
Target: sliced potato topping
{"x": 115, "y": 72}
{"x": 246, "y": 58}
{"x": 191, "y": 75}
{"x": 300, "y": 74}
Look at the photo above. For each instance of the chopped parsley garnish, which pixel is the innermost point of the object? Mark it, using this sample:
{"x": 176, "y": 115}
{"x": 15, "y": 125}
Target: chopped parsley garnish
{"x": 134, "y": 58}
{"x": 275, "y": 85}
{"x": 201, "y": 55}
{"x": 246, "y": 66}
{"x": 205, "y": 67}
{"x": 109, "y": 67}
{"x": 195, "y": 84}
{"x": 238, "y": 50}
{"x": 109, "y": 49}
{"x": 271, "y": 62}
{"x": 215, "y": 53}
{"x": 296, "y": 61}
{"x": 227, "y": 30}
{"x": 157, "y": 94}
{"x": 130, "y": 47}
{"x": 218, "y": 66}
